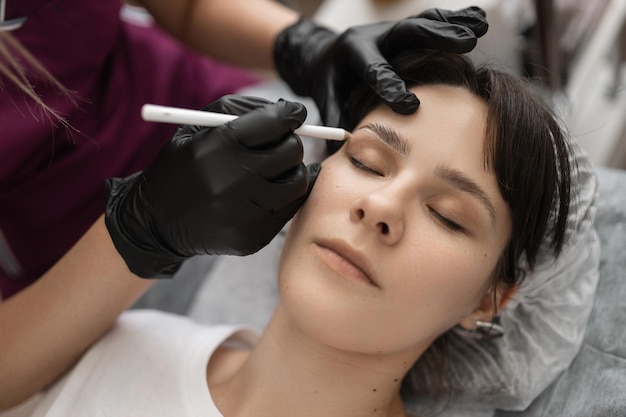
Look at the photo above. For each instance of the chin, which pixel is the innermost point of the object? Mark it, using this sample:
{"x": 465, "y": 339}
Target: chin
{"x": 337, "y": 318}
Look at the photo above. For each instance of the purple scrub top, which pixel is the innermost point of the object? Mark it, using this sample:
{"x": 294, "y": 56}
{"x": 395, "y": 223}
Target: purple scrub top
{"x": 51, "y": 176}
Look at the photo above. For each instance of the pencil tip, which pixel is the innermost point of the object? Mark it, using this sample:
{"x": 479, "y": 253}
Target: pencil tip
{"x": 346, "y": 135}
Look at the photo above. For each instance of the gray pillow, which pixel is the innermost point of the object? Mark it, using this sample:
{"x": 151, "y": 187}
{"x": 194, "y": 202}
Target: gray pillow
{"x": 544, "y": 327}
{"x": 594, "y": 384}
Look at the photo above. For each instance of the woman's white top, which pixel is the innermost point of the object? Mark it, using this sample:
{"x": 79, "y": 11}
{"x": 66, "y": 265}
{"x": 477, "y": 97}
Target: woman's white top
{"x": 150, "y": 364}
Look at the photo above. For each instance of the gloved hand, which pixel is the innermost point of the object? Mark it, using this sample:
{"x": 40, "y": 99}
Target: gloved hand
{"x": 319, "y": 63}
{"x": 222, "y": 190}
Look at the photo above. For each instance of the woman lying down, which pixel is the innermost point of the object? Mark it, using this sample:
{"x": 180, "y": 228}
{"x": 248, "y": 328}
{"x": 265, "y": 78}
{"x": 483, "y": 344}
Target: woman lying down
{"x": 416, "y": 225}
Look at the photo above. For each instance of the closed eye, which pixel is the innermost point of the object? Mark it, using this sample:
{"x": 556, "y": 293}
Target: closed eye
{"x": 359, "y": 165}
{"x": 455, "y": 227}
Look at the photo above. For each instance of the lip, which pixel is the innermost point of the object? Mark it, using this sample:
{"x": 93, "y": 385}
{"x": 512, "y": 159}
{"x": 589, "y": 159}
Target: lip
{"x": 346, "y": 260}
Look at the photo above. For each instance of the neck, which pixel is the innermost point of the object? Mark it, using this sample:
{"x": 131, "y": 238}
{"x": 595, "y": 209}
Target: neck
{"x": 288, "y": 373}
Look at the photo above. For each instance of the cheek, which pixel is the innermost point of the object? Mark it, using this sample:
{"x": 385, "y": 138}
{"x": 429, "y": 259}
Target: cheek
{"x": 436, "y": 287}
{"x": 333, "y": 188}
{"x": 315, "y": 213}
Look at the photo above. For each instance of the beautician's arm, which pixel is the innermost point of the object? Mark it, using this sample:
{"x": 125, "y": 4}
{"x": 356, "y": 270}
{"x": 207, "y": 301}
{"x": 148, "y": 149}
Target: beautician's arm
{"x": 223, "y": 190}
{"x": 47, "y": 326}
{"x": 237, "y": 31}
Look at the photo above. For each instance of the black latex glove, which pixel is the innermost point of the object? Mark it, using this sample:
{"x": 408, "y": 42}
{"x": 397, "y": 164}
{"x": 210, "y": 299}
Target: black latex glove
{"x": 222, "y": 190}
{"x": 319, "y": 63}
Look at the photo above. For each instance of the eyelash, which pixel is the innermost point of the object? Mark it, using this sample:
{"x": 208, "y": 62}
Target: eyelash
{"x": 455, "y": 227}
{"x": 359, "y": 165}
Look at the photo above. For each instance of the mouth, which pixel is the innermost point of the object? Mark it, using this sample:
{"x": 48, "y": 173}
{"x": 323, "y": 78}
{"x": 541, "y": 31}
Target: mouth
{"x": 346, "y": 260}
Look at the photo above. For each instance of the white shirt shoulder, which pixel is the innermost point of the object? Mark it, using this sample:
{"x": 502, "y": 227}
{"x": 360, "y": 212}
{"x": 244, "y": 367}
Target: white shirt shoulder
{"x": 150, "y": 364}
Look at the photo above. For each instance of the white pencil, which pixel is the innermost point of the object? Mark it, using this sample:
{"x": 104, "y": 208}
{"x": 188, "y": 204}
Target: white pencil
{"x": 176, "y": 115}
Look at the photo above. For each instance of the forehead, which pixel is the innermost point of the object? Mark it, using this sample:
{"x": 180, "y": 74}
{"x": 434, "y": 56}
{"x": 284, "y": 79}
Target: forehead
{"x": 448, "y": 98}
{"x": 450, "y": 116}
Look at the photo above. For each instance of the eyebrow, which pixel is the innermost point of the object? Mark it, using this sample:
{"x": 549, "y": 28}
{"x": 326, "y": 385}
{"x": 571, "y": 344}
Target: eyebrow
{"x": 390, "y": 137}
{"x": 465, "y": 184}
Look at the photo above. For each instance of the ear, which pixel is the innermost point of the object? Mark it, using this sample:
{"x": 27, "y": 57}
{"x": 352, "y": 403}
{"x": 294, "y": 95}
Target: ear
{"x": 485, "y": 310}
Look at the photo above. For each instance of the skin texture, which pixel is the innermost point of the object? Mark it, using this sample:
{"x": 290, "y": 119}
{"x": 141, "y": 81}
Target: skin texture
{"x": 371, "y": 274}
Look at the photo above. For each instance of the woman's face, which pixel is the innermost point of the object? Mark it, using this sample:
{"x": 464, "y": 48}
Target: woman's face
{"x": 401, "y": 234}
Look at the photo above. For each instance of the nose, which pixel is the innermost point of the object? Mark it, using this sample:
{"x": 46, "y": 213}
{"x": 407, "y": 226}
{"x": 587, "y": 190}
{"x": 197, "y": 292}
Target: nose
{"x": 382, "y": 212}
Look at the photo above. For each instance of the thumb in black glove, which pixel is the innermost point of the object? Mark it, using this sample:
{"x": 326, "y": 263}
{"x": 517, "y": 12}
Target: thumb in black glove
{"x": 319, "y": 63}
{"x": 224, "y": 190}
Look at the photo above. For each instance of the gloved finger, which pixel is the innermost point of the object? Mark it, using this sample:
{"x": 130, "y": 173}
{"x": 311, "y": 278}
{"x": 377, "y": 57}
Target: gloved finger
{"x": 289, "y": 210}
{"x": 267, "y": 125}
{"x": 275, "y": 195}
{"x": 411, "y": 34}
{"x": 236, "y": 104}
{"x": 272, "y": 162}
{"x": 266, "y": 230}
{"x": 228, "y": 104}
{"x": 313, "y": 170}
{"x": 378, "y": 74}
{"x": 472, "y": 17}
